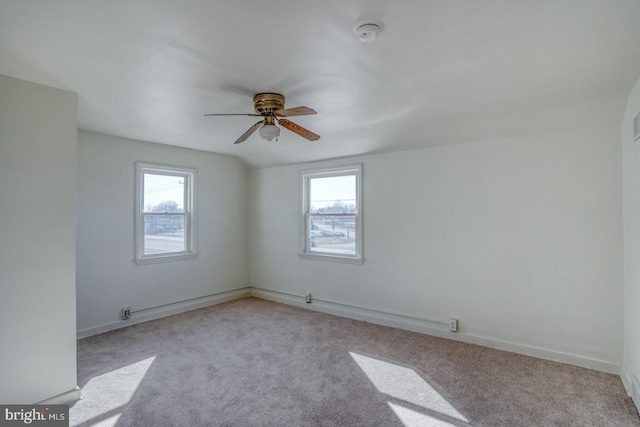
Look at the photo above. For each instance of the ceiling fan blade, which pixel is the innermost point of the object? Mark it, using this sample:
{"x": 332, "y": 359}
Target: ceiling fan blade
{"x": 248, "y": 133}
{"x": 234, "y": 114}
{"x": 305, "y": 133}
{"x": 237, "y": 89}
{"x": 296, "y": 111}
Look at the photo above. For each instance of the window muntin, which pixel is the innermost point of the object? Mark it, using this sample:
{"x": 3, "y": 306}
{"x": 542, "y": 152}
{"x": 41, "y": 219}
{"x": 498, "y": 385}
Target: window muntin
{"x": 165, "y": 227}
{"x": 331, "y": 226}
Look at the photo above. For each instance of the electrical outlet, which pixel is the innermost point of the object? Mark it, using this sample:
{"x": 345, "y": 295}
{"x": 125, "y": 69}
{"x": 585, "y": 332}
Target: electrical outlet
{"x": 126, "y": 313}
{"x": 453, "y": 325}
{"x": 307, "y": 298}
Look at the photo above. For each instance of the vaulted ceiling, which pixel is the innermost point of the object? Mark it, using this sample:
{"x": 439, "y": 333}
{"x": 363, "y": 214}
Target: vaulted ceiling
{"x": 441, "y": 72}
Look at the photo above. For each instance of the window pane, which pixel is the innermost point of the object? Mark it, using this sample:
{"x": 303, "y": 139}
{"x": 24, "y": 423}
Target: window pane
{"x": 336, "y": 194}
{"x": 163, "y": 193}
{"x": 332, "y": 234}
{"x": 164, "y": 234}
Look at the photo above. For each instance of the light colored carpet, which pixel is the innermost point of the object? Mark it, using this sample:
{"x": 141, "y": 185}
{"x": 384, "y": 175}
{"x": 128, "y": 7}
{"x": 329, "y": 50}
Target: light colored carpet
{"x": 258, "y": 363}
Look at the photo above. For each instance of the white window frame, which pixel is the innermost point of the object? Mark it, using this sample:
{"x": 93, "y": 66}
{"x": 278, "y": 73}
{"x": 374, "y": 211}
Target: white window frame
{"x": 189, "y": 175}
{"x": 304, "y": 238}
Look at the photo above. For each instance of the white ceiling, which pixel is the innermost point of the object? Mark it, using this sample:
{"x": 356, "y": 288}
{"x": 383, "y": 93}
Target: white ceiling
{"x": 442, "y": 71}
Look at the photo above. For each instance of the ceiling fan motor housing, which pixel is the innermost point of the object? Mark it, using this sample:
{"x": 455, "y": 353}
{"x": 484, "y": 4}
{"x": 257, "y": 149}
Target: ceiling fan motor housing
{"x": 268, "y": 102}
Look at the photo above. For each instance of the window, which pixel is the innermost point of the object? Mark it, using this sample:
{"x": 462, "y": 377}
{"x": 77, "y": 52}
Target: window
{"x": 165, "y": 215}
{"x": 331, "y": 218}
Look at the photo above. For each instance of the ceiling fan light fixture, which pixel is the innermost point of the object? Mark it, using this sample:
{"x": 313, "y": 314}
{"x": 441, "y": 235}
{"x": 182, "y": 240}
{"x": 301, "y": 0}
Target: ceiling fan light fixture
{"x": 269, "y": 132}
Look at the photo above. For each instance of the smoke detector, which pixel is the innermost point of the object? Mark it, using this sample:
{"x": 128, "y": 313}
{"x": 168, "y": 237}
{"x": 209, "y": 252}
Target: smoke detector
{"x": 368, "y": 31}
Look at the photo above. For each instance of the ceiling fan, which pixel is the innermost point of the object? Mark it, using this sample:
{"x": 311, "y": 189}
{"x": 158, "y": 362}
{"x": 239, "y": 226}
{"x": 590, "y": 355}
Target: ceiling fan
{"x": 271, "y": 107}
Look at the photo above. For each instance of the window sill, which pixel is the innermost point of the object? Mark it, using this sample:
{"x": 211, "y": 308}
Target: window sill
{"x": 332, "y": 258}
{"x": 165, "y": 258}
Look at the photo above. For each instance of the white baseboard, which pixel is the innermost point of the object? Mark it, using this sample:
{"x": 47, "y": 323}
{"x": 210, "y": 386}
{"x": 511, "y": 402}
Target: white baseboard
{"x": 432, "y": 328}
{"x": 67, "y": 398}
{"x": 636, "y": 392}
{"x": 626, "y": 381}
{"x": 139, "y": 316}
{"x": 632, "y": 385}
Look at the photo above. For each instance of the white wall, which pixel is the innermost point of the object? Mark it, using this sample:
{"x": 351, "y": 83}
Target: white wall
{"x": 521, "y": 240}
{"x": 37, "y": 242}
{"x": 631, "y": 178}
{"x": 108, "y": 279}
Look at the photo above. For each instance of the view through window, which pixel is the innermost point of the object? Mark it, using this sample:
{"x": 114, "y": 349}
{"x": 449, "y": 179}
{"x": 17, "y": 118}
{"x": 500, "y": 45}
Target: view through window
{"x": 164, "y": 214}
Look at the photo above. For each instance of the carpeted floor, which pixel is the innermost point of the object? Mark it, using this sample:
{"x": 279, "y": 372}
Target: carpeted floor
{"x": 252, "y": 362}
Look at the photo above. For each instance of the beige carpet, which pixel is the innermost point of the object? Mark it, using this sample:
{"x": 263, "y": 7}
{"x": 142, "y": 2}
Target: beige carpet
{"x": 257, "y": 363}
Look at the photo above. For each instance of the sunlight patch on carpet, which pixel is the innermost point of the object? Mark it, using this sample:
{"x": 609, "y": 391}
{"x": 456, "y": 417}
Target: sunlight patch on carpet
{"x": 411, "y": 418}
{"x": 406, "y": 385}
{"x": 105, "y": 396}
